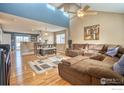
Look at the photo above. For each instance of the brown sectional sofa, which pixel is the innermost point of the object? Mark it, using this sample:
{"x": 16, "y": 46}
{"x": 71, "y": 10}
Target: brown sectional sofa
{"x": 87, "y": 49}
{"x": 89, "y": 70}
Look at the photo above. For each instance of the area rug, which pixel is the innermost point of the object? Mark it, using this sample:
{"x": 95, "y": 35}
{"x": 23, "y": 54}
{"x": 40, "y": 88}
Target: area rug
{"x": 40, "y": 66}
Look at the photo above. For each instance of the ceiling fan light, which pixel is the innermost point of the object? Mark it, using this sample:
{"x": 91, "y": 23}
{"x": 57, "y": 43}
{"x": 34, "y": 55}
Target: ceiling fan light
{"x": 46, "y": 34}
{"x": 80, "y": 14}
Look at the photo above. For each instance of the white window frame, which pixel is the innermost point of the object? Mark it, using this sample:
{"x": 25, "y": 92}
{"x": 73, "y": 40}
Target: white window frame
{"x": 59, "y": 38}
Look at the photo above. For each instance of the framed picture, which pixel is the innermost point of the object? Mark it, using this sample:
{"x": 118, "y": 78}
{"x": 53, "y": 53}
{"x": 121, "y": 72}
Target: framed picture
{"x": 91, "y": 32}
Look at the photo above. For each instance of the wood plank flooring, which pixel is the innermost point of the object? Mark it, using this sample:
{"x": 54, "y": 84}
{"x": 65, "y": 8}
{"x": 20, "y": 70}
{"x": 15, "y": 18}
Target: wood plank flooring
{"x": 22, "y": 74}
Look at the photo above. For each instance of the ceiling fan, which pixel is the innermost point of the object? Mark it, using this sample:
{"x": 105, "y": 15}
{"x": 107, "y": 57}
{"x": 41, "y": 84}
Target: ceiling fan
{"x": 80, "y": 12}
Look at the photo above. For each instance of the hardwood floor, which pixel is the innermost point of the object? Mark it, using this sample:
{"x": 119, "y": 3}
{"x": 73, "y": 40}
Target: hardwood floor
{"x": 22, "y": 74}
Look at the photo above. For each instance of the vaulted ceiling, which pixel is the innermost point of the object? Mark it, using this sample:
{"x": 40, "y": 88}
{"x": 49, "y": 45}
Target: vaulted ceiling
{"x": 32, "y": 17}
{"x": 13, "y": 23}
{"x": 105, "y": 7}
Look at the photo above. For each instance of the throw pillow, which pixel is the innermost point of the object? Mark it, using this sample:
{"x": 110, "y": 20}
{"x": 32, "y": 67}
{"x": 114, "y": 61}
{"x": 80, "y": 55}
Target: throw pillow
{"x": 121, "y": 61}
{"x": 110, "y": 49}
{"x": 112, "y": 52}
{"x": 119, "y": 66}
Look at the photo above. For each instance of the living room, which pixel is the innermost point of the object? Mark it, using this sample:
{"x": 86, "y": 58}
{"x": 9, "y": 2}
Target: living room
{"x": 68, "y": 44}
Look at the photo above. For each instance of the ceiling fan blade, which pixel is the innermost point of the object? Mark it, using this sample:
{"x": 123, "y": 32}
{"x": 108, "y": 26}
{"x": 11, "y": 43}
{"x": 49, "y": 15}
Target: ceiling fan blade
{"x": 77, "y": 5}
{"x": 72, "y": 12}
{"x": 66, "y": 7}
{"x": 59, "y": 7}
{"x": 86, "y": 8}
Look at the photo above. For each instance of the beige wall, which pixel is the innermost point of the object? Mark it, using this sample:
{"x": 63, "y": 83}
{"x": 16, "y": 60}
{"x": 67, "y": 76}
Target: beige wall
{"x": 111, "y": 28}
{"x": 49, "y": 37}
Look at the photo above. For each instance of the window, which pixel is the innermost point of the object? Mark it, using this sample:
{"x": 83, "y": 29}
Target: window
{"x": 60, "y": 38}
{"x": 21, "y": 39}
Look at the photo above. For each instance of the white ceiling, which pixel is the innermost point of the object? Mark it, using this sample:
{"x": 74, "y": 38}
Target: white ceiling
{"x": 13, "y": 23}
{"x": 105, "y": 7}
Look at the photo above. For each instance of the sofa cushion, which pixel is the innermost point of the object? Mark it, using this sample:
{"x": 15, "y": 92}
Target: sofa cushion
{"x": 83, "y": 65}
{"x": 91, "y": 53}
{"x": 112, "y": 46}
{"x": 95, "y": 68}
{"x": 112, "y": 51}
{"x": 74, "y": 60}
{"x": 110, "y": 60}
{"x": 91, "y": 46}
{"x": 97, "y": 47}
{"x": 102, "y": 72}
{"x": 78, "y": 46}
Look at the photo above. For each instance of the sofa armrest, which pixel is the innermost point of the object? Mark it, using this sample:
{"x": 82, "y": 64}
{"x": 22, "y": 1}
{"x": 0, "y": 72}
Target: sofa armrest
{"x": 69, "y": 62}
{"x": 71, "y": 53}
